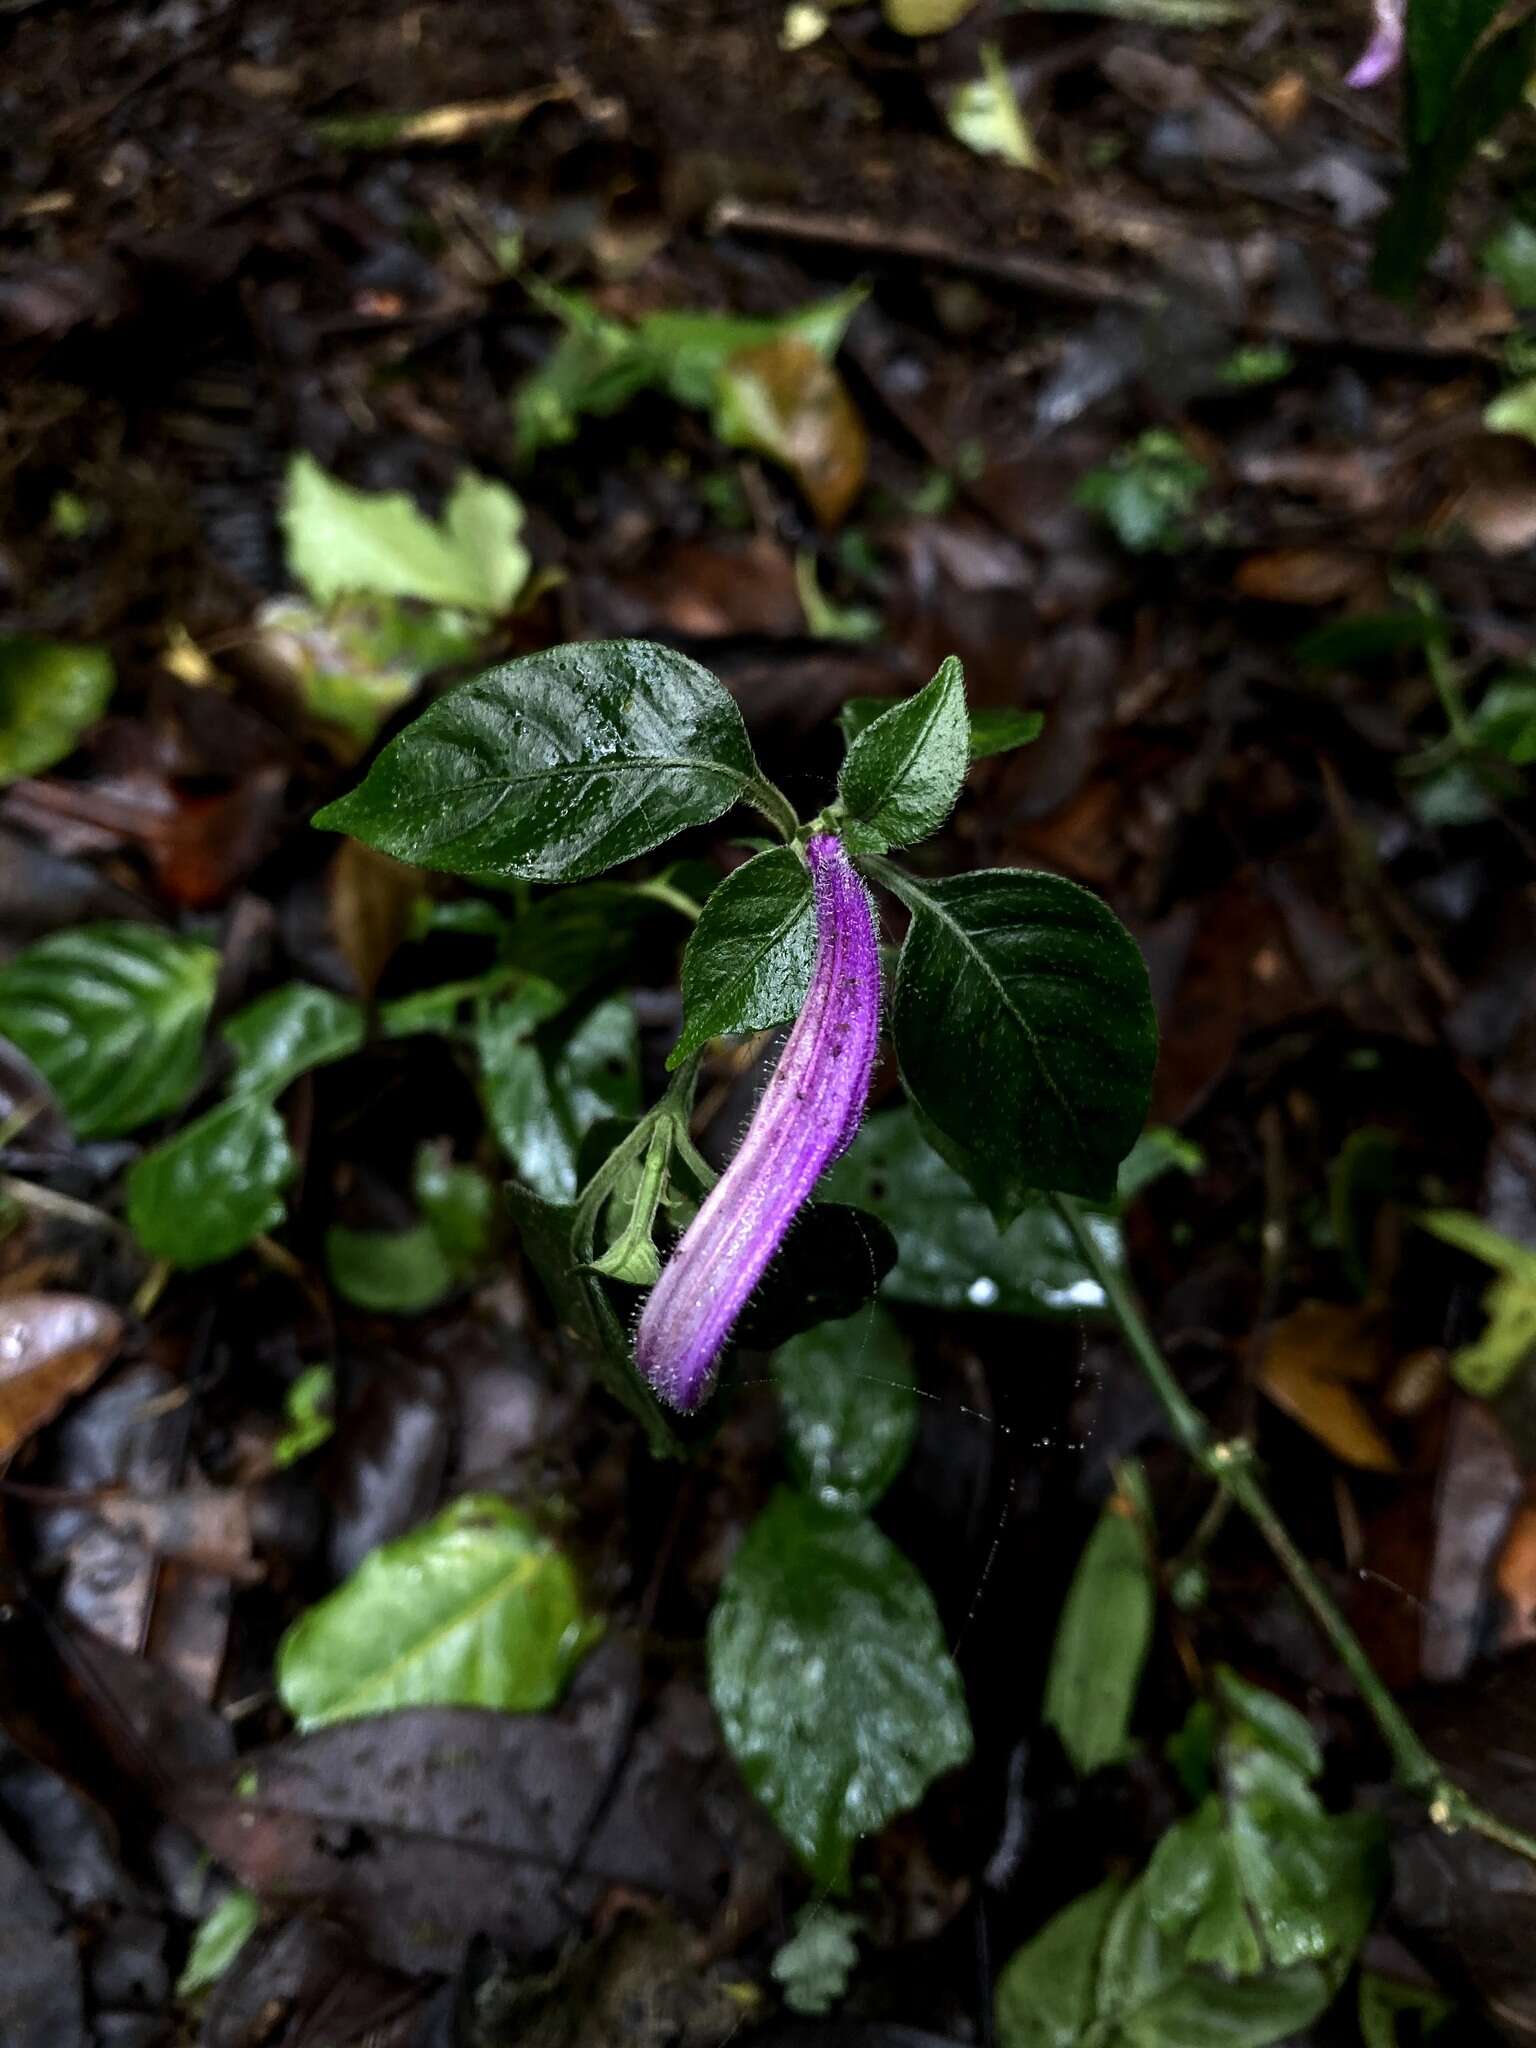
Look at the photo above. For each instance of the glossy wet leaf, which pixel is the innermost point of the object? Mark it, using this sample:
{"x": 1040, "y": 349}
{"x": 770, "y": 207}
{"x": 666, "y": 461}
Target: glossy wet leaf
{"x": 308, "y": 1416}
{"x": 903, "y": 772}
{"x": 830, "y": 1264}
{"x": 783, "y": 399}
{"x": 555, "y": 766}
{"x": 217, "y": 1941}
{"x": 950, "y": 1252}
{"x": 1024, "y": 1024}
{"x": 1100, "y": 1974}
{"x": 458, "y": 1204}
{"x": 205, "y": 1193}
{"x": 748, "y": 962}
{"x": 286, "y": 1032}
{"x": 848, "y": 1395}
{"x": 544, "y": 1095}
{"x": 342, "y": 542}
{"x": 112, "y": 1016}
{"x": 51, "y": 692}
{"x": 995, "y": 731}
{"x": 1104, "y": 1632}
{"x": 391, "y": 1272}
{"x": 829, "y": 1672}
{"x": 1260, "y": 1877}
{"x": 52, "y": 1347}
{"x": 476, "y": 1608}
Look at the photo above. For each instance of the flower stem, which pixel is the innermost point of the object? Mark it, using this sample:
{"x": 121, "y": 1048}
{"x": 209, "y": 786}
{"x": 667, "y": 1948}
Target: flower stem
{"x": 775, "y": 806}
{"x": 1232, "y": 1466}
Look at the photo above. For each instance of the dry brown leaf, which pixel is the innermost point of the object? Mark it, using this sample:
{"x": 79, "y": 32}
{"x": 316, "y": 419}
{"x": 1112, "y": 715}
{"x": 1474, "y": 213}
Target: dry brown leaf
{"x": 1307, "y": 576}
{"x": 1312, "y": 1363}
{"x": 51, "y": 1346}
{"x": 784, "y": 399}
{"x": 372, "y": 898}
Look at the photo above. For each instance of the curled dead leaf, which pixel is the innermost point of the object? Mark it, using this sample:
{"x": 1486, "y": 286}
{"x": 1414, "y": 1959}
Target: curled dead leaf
{"x": 51, "y": 1346}
{"x": 372, "y": 899}
{"x": 1312, "y": 1363}
{"x": 784, "y": 399}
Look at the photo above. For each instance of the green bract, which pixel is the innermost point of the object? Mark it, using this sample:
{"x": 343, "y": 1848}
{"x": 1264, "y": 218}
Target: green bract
{"x": 474, "y": 1609}
{"x": 112, "y": 1015}
{"x": 556, "y": 766}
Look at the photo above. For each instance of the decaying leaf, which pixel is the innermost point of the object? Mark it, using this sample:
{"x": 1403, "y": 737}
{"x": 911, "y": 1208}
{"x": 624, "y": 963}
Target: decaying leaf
{"x": 51, "y": 1346}
{"x": 1312, "y": 1364}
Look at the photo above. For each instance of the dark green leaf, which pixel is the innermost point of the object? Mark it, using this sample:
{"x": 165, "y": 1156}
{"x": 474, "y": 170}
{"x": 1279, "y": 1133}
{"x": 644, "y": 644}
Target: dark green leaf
{"x": 1367, "y": 636}
{"x": 391, "y": 1272}
{"x": 204, "y": 1194}
{"x": 828, "y": 1671}
{"x": 112, "y": 1015}
{"x": 950, "y": 1253}
{"x": 1104, "y": 1631}
{"x": 477, "y": 1608}
{"x": 542, "y": 1099}
{"x": 1046, "y": 1996}
{"x": 1260, "y": 1877}
{"x": 849, "y": 1397}
{"x": 830, "y": 1264}
{"x": 459, "y": 1205}
{"x": 1458, "y": 93}
{"x": 999, "y": 732}
{"x": 1399, "y": 2015}
{"x": 904, "y": 771}
{"x": 555, "y": 766}
{"x": 1024, "y": 1025}
{"x": 1150, "y": 1996}
{"x": 50, "y": 692}
{"x": 594, "y": 933}
{"x": 1441, "y": 36}
{"x": 284, "y": 1034}
{"x": 345, "y": 543}
{"x": 748, "y": 963}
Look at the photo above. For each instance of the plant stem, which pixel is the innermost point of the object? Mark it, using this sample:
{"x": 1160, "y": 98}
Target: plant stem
{"x": 775, "y": 807}
{"x": 674, "y": 899}
{"x": 1233, "y": 1468}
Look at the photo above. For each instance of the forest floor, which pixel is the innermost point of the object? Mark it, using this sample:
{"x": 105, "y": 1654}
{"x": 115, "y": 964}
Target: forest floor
{"x": 219, "y": 250}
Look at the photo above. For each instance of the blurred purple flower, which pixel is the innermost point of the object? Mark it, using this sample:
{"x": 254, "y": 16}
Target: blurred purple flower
{"x": 808, "y": 1114}
{"x": 1383, "y": 53}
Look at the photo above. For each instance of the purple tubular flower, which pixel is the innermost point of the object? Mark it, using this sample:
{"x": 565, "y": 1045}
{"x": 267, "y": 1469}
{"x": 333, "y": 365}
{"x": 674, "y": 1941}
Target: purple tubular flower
{"x": 808, "y": 1114}
{"x": 1383, "y": 53}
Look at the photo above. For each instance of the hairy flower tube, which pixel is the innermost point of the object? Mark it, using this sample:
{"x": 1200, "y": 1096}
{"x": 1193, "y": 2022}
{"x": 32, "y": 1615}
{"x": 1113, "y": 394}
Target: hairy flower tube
{"x": 808, "y": 1114}
{"x": 1384, "y": 51}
